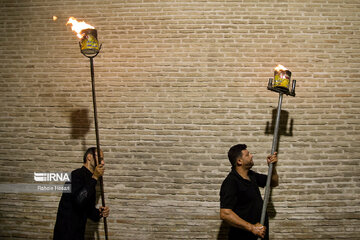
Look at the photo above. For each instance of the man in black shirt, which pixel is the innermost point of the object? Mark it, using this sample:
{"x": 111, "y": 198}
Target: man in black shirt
{"x": 77, "y": 206}
{"x": 240, "y": 198}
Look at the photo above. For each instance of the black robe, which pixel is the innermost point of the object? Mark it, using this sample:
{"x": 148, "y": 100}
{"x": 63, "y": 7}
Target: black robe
{"x": 77, "y": 206}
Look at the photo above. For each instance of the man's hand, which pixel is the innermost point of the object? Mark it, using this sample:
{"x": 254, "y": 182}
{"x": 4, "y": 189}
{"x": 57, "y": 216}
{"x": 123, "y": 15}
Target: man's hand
{"x": 258, "y": 230}
{"x": 99, "y": 170}
{"x": 274, "y": 177}
{"x": 104, "y": 211}
{"x": 272, "y": 158}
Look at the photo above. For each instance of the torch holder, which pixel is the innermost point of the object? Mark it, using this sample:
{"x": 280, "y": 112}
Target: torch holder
{"x": 90, "y": 55}
{"x": 282, "y": 90}
{"x": 89, "y": 44}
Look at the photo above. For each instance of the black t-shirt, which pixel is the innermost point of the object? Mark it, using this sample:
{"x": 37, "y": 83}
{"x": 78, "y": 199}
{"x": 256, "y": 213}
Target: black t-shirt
{"x": 244, "y": 198}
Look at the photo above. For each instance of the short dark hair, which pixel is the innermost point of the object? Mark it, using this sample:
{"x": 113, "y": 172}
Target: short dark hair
{"x": 235, "y": 152}
{"x": 89, "y": 151}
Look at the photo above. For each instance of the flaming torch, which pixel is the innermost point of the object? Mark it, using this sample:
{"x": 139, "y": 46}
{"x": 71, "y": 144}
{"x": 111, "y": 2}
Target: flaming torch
{"x": 89, "y": 47}
{"x": 282, "y": 77}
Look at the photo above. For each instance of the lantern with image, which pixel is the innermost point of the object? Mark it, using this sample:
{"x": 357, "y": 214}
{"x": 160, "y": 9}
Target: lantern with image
{"x": 282, "y": 78}
{"x": 89, "y": 44}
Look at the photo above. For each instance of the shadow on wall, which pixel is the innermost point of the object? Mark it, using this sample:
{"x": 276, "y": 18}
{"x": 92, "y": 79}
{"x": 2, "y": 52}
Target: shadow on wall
{"x": 284, "y": 117}
{"x": 80, "y": 125}
{"x": 223, "y": 231}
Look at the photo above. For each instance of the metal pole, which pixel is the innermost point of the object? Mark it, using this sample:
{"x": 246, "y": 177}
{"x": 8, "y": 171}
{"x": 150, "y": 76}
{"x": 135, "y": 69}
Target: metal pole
{"x": 97, "y": 140}
{"x": 273, "y": 149}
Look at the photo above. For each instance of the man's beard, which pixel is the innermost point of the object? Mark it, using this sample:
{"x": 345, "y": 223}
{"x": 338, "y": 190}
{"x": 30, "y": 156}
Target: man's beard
{"x": 250, "y": 165}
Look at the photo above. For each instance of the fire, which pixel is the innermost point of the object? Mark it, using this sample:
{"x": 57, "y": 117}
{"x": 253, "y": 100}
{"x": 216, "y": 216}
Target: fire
{"x": 78, "y": 26}
{"x": 280, "y": 68}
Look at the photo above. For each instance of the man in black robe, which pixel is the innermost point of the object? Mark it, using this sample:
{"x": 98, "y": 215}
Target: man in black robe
{"x": 77, "y": 206}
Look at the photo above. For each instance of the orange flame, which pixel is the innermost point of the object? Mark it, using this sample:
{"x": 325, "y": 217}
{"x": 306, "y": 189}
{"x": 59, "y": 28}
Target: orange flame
{"x": 78, "y": 26}
{"x": 280, "y": 68}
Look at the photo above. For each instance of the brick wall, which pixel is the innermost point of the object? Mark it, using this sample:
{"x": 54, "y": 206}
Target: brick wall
{"x": 178, "y": 83}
